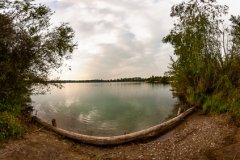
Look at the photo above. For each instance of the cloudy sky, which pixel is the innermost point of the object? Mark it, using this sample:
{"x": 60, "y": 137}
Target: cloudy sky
{"x": 118, "y": 38}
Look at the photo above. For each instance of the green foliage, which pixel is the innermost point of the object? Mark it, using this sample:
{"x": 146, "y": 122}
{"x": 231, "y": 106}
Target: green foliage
{"x": 207, "y": 68}
{"x": 195, "y": 97}
{"x": 78, "y": 146}
{"x": 10, "y": 126}
{"x": 159, "y": 79}
{"x": 99, "y": 158}
{"x": 215, "y": 104}
{"x": 30, "y": 49}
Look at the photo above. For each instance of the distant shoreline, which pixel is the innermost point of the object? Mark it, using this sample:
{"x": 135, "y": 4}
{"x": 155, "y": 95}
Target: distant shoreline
{"x": 88, "y": 81}
{"x": 153, "y": 79}
{"x": 106, "y": 82}
{"x": 100, "y": 82}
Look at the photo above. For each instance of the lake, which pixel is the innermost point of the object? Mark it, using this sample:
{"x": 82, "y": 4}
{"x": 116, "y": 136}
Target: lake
{"x": 106, "y": 109}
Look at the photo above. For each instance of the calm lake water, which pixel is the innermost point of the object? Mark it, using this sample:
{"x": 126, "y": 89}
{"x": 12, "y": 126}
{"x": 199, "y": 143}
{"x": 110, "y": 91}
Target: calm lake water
{"x": 106, "y": 109}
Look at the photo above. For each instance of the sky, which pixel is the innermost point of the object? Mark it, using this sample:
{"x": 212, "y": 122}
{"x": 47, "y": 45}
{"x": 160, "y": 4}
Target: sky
{"x": 118, "y": 38}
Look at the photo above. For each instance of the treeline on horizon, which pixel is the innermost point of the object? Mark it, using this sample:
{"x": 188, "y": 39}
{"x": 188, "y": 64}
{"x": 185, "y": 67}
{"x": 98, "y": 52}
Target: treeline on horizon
{"x": 152, "y": 79}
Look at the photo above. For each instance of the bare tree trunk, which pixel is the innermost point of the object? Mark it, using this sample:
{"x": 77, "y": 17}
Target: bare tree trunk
{"x": 116, "y": 140}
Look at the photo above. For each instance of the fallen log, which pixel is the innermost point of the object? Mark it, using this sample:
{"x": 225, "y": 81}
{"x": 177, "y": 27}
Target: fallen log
{"x": 116, "y": 140}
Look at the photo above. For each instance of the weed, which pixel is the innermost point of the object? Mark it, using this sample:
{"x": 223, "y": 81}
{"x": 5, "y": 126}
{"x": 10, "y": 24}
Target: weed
{"x": 78, "y": 146}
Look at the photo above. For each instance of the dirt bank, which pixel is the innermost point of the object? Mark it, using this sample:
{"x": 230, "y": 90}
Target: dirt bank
{"x": 197, "y": 137}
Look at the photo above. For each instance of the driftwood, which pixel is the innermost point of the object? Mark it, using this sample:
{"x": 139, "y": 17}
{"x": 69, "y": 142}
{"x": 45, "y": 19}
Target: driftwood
{"x": 180, "y": 110}
{"x": 116, "y": 140}
{"x": 54, "y": 122}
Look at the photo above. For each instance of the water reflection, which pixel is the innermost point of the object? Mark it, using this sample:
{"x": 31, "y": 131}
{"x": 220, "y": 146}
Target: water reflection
{"x": 106, "y": 109}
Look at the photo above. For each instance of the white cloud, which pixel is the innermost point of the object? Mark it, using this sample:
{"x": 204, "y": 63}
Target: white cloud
{"x": 118, "y": 38}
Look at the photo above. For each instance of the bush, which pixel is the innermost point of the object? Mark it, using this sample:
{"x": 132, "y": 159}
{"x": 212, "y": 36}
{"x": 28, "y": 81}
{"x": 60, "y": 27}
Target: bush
{"x": 215, "y": 104}
{"x": 10, "y": 126}
{"x": 195, "y": 98}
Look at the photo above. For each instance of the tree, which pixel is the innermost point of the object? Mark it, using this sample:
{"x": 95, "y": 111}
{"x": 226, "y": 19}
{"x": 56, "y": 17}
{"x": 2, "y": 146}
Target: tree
{"x": 195, "y": 38}
{"x": 30, "y": 49}
{"x": 206, "y": 71}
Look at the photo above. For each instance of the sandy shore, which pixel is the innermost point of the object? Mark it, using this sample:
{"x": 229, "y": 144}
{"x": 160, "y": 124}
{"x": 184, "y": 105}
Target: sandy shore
{"x": 197, "y": 137}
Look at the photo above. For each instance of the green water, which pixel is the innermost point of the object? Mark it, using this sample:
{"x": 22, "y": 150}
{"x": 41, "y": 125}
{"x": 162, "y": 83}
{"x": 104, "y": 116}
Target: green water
{"x": 106, "y": 109}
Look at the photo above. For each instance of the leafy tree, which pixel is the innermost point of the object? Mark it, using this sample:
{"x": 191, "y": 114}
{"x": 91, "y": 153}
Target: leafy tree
{"x": 195, "y": 38}
{"x": 159, "y": 79}
{"x": 165, "y": 80}
{"x": 206, "y": 71}
{"x": 30, "y": 49}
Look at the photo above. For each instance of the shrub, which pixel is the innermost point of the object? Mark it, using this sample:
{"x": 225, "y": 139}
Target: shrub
{"x": 10, "y": 126}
